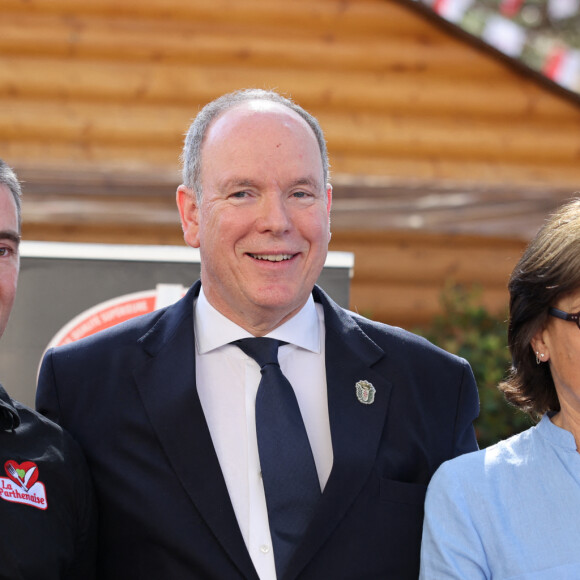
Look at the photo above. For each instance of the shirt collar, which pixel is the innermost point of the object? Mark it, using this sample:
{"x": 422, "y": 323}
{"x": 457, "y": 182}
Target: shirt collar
{"x": 213, "y": 330}
{"x": 555, "y": 434}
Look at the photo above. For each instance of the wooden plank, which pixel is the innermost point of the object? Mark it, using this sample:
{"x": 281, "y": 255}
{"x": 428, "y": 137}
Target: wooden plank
{"x": 332, "y": 90}
{"x": 470, "y": 172}
{"x": 92, "y": 123}
{"x": 99, "y": 233}
{"x": 45, "y": 153}
{"x": 466, "y": 209}
{"x": 345, "y": 17}
{"x": 197, "y": 42}
{"x": 86, "y": 122}
{"x": 410, "y": 306}
{"x": 457, "y": 137}
{"x": 423, "y": 264}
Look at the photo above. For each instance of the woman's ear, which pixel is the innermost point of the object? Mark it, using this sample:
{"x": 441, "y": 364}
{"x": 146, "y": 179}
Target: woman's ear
{"x": 539, "y": 346}
{"x": 189, "y": 214}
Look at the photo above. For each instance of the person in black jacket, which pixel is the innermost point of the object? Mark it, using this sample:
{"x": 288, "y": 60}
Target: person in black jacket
{"x": 47, "y": 507}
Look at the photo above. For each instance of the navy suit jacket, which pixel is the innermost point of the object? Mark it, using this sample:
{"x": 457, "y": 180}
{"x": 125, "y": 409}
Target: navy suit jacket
{"x": 128, "y": 396}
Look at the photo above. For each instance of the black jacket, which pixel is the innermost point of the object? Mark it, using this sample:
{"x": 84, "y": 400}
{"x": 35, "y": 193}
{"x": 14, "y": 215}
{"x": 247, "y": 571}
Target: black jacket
{"x": 47, "y": 505}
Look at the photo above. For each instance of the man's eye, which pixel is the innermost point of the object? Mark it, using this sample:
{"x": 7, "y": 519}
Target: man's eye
{"x": 240, "y": 194}
{"x": 6, "y": 251}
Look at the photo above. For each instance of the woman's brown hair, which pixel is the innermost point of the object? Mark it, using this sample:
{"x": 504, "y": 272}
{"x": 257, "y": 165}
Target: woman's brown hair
{"x": 548, "y": 270}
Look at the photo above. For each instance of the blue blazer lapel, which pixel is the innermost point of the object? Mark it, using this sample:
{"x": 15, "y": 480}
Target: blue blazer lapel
{"x": 166, "y": 383}
{"x": 356, "y": 427}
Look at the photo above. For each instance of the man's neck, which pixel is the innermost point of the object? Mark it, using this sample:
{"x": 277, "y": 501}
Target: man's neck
{"x": 259, "y": 321}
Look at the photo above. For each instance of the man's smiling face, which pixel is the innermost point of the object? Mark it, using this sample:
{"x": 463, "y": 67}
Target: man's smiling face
{"x": 263, "y": 223}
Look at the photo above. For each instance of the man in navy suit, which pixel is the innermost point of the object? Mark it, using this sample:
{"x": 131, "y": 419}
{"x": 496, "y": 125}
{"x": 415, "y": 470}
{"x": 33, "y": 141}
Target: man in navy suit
{"x": 164, "y": 405}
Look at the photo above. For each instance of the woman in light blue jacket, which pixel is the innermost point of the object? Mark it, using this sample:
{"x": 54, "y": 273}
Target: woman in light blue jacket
{"x": 513, "y": 510}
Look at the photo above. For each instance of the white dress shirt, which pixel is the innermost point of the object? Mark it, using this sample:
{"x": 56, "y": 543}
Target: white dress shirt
{"x": 227, "y": 381}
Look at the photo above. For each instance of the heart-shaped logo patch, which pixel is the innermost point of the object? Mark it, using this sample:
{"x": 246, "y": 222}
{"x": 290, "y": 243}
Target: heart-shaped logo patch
{"x": 23, "y": 474}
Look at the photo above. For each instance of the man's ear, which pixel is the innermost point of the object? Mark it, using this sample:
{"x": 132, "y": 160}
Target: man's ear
{"x": 189, "y": 214}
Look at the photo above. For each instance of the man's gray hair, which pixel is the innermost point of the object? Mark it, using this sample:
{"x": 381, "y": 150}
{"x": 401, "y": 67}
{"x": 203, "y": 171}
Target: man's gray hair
{"x": 8, "y": 178}
{"x": 191, "y": 156}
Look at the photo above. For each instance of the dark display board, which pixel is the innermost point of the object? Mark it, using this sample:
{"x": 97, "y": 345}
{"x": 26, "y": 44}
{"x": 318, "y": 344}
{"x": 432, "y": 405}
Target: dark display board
{"x": 60, "y": 283}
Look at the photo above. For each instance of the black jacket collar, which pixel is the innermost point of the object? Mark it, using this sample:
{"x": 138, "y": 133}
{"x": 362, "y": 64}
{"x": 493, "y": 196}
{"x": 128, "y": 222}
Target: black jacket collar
{"x": 9, "y": 418}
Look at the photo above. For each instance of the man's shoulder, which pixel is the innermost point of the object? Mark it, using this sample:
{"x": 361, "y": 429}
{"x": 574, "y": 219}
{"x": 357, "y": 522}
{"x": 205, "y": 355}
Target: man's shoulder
{"x": 128, "y": 330}
{"x": 398, "y": 339}
{"x": 116, "y": 338}
{"x": 163, "y": 320}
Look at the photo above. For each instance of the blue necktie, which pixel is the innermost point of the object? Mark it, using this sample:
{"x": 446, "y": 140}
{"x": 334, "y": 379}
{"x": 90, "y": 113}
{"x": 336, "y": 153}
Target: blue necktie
{"x": 288, "y": 471}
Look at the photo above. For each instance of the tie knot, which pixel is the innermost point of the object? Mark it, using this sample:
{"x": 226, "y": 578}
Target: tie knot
{"x": 263, "y": 350}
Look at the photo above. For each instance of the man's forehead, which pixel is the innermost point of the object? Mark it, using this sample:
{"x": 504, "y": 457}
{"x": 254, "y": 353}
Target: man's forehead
{"x": 8, "y": 214}
{"x": 256, "y": 110}
{"x": 7, "y": 195}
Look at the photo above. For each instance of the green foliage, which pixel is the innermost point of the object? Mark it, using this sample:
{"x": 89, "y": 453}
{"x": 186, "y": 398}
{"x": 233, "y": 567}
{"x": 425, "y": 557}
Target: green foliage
{"x": 467, "y": 329}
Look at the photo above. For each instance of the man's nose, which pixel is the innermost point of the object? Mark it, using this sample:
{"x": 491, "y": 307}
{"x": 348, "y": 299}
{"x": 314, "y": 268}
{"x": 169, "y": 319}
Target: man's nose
{"x": 274, "y": 216}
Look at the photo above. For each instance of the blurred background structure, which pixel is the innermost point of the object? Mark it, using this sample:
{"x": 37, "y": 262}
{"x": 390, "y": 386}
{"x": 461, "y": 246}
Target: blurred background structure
{"x": 543, "y": 34}
{"x": 446, "y": 155}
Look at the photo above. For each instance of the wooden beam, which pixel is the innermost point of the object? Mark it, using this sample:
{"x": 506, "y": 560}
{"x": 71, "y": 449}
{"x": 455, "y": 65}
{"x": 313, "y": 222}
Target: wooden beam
{"x": 88, "y": 124}
{"x": 332, "y": 88}
{"x": 358, "y": 17}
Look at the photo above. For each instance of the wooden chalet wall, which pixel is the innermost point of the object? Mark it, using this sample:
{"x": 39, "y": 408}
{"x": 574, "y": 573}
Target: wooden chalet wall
{"x": 95, "y": 97}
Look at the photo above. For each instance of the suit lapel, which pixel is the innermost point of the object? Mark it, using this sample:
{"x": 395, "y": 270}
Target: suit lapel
{"x": 166, "y": 383}
{"x": 356, "y": 427}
